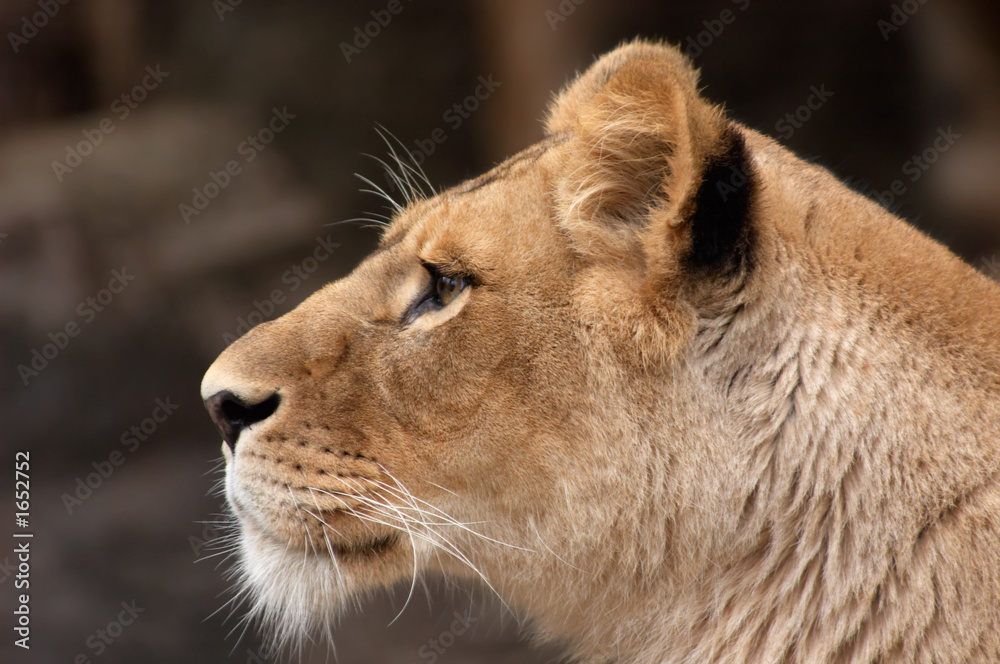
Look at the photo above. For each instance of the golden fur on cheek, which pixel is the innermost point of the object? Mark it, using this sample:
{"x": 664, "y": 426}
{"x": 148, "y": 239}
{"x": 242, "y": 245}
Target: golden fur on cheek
{"x": 697, "y": 402}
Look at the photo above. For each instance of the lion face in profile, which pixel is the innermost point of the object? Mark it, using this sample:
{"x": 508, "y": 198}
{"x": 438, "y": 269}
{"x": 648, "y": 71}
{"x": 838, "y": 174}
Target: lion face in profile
{"x": 656, "y": 382}
{"x": 413, "y": 392}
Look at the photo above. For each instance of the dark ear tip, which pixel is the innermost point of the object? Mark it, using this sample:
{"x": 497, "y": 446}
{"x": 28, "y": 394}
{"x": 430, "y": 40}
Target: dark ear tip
{"x": 721, "y": 228}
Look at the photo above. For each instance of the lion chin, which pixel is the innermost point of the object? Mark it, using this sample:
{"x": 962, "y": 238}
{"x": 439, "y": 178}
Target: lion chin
{"x": 300, "y": 568}
{"x": 669, "y": 391}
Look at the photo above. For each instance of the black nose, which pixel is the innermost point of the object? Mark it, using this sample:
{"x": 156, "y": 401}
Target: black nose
{"x": 232, "y": 414}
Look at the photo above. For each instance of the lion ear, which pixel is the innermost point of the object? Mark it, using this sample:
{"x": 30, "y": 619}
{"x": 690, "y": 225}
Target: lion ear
{"x": 645, "y": 150}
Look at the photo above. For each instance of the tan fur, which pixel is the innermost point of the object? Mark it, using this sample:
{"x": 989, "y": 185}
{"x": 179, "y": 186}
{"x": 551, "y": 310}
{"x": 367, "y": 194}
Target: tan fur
{"x": 793, "y": 463}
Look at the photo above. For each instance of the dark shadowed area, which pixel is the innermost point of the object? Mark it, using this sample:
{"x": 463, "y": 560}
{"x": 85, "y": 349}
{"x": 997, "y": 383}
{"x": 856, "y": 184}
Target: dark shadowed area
{"x": 173, "y": 172}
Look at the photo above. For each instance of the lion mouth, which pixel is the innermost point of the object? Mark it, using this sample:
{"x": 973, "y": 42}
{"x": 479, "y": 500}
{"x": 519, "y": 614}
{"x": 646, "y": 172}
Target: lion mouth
{"x": 341, "y": 533}
{"x": 365, "y": 549}
{"x": 329, "y": 530}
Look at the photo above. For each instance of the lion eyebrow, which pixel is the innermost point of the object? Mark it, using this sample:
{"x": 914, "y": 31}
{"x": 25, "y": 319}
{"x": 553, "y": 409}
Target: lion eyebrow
{"x": 527, "y": 156}
{"x": 386, "y": 247}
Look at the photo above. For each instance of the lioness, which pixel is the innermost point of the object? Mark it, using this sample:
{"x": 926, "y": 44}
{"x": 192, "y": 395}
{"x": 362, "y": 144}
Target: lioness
{"x": 673, "y": 393}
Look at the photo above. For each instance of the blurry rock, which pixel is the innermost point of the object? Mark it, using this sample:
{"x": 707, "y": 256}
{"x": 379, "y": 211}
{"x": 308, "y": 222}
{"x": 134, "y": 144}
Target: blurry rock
{"x": 120, "y": 203}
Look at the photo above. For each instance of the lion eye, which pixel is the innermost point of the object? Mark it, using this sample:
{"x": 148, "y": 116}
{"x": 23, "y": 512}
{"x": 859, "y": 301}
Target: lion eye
{"x": 448, "y": 288}
{"x": 440, "y": 292}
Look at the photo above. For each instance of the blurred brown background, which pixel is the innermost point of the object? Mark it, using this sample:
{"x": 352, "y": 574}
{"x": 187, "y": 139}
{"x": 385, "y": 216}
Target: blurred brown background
{"x": 885, "y": 80}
